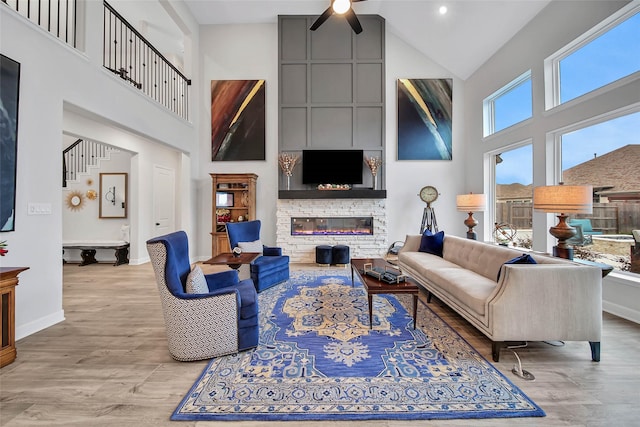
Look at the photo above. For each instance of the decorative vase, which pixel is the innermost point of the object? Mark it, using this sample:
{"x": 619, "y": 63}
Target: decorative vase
{"x": 375, "y": 182}
{"x": 288, "y": 182}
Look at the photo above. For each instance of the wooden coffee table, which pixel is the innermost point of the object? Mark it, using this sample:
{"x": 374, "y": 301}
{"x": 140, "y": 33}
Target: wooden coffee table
{"x": 375, "y": 286}
{"x": 233, "y": 261}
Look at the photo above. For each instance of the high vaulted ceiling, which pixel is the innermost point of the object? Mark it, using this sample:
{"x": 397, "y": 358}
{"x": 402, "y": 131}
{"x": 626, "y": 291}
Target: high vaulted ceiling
{"x": 460, "y": 40}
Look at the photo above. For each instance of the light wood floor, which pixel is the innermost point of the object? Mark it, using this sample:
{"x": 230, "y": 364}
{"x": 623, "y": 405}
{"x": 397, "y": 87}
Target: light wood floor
{"x": 107, "y": 365}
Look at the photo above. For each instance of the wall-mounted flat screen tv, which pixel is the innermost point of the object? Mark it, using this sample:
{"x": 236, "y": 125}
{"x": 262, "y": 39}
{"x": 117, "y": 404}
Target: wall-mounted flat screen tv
{"x": 332, "y": 166}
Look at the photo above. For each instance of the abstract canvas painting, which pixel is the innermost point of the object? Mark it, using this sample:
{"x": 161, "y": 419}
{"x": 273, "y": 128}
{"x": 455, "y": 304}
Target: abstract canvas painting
{"x": 424, "y": 119}
{"x": 9, "y": 91}
{"x": 237, "y": 120}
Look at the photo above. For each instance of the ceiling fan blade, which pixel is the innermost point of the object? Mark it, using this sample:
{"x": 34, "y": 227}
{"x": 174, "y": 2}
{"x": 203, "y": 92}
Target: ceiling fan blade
{"x": 353, "y": 21}
{"x": 325, "y": 15}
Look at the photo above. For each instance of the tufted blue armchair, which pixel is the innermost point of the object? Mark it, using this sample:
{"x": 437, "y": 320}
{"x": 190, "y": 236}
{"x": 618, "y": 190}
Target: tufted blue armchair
{"x": 267, "y": 270}
{"x": 199, "y": 326}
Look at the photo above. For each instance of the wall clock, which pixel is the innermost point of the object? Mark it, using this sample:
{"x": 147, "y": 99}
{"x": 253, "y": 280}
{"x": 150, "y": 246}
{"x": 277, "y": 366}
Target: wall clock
{"x": 428, "y": 194}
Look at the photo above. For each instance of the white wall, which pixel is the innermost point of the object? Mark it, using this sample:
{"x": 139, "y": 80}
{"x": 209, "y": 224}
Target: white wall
{"x": 56, "y": 79}
{"x": 251, "y": 52}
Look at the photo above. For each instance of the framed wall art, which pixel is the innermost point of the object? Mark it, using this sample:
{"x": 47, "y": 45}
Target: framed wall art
{"x": 9, "y": 95}
{"x": 425, "y": 119}
{"x": 113, "y": 195}
{"x": 237, "y": 120}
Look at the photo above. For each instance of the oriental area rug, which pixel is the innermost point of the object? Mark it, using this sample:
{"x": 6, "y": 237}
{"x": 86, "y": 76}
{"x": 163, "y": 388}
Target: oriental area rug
{"x": 319, "y": 360}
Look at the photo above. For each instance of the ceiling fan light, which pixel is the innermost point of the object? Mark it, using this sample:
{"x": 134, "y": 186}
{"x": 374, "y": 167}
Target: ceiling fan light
{"x": 341, "y": 6}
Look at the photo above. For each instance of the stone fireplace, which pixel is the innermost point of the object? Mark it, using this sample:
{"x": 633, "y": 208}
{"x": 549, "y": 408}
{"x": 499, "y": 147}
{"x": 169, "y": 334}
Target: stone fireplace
{"x": 301, "y": 246}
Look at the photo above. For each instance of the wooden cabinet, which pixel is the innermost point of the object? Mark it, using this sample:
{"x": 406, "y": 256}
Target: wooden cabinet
{"x": 8, "y": 283}
{"x": 233, "y": 199}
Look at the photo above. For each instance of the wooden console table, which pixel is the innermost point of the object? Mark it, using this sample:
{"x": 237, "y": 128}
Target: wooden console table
{"x": 8, "y": 283}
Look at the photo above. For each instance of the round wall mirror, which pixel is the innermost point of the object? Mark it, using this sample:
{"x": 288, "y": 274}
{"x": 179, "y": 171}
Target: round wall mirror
{"x": 75, "y": 200}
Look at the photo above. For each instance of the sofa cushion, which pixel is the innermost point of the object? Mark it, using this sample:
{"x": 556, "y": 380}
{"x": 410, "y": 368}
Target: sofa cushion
{"x": 196, "y": 283}
{"x": 255, "y": 246}
{"x": 522, "y": 259}
{"x": 432, "y": 243}
{"x": 482, "y": 258}
{"x": 468, "y": 288}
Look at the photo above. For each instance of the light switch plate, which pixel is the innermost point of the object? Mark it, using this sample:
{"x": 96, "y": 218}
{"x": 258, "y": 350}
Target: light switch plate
{"x": 39, "y": 209}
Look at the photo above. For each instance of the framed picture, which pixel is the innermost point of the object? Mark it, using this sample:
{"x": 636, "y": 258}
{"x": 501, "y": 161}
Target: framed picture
{"x": 224, "y": 200}
{"x": 424, "y": 119}
{"x": 113, "y": 195}
{"x": 9, "y": 95}
{"x": 237, "y": 120}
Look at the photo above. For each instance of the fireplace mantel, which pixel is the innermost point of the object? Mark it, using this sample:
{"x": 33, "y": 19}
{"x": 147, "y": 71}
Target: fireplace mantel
{"x": 354, "y": 193}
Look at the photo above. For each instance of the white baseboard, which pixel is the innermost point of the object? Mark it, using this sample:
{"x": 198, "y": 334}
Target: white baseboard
{"x": 621, "y": 311}
{"x": 39, "y": 324}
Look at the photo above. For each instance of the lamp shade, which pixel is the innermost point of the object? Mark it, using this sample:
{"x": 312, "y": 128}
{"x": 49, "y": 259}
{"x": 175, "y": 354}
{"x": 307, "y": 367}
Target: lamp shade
{"x": 577, "y": 199}
{"x": 471, "y": 202}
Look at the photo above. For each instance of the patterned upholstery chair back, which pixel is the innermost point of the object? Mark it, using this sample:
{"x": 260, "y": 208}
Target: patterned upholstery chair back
{"x": 197, "y": 328}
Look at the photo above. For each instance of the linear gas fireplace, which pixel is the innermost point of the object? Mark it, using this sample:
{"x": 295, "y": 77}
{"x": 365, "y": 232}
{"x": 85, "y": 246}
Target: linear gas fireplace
{"x": 338, "y": 226}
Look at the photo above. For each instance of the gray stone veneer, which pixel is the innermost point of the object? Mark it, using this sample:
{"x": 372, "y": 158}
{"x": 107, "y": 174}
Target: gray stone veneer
{"x": 301, "y": 249}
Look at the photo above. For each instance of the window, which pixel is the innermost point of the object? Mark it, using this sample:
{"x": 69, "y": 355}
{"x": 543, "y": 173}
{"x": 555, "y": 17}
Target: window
{"x": 509, "y": 105}
{"x": 513, "y": 196}
{"x": 605, "y": 155}
{"x": 601, "y": 56}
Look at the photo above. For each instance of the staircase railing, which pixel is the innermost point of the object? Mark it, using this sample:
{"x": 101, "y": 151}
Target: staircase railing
{"x": 77, "y": 157}
{"x": 128, "y": 54}
{"x": 59, "y": 17}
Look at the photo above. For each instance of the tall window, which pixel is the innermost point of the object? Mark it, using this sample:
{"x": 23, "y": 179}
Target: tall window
{"x": 513, "y": 201}
{"x": 606, "y": 155}
{"x": 601, "y": 56}
{"x": 509, "y": 105}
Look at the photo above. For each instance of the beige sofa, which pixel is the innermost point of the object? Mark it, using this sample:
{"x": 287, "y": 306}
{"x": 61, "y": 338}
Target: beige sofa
{"x": 554, "y": 300}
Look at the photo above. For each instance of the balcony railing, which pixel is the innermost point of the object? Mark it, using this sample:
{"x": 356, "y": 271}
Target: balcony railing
{"x": 128, "y": 54}
{"x": 59, "y": 17}
{"x": 125, "y": 51}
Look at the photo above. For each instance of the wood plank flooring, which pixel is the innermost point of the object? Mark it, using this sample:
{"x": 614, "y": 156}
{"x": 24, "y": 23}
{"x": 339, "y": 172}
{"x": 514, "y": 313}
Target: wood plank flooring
{"x": 107, "y": 364}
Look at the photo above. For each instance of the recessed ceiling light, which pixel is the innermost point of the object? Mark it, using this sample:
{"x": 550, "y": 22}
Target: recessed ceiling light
{"x": 443, "y": 10}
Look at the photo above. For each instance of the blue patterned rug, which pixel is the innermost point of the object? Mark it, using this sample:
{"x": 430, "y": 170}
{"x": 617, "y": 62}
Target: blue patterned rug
{"x": 318, "y": 360}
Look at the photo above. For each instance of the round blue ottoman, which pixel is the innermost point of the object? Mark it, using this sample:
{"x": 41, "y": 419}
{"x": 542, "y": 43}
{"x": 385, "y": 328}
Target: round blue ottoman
{"x": 324, "y": 254}
{"x": 340, "y": 254}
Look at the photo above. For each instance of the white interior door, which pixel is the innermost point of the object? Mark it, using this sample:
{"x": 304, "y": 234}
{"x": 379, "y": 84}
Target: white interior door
{"x": 163, "y": 200}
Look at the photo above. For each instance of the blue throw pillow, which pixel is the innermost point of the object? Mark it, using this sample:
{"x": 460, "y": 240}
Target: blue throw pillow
{"x": 522, "y": 259}
{"x": 432, "y": 243}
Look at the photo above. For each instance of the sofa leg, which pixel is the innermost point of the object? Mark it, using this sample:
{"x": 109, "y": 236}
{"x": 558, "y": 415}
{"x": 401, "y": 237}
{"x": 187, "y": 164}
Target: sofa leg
{"x": 428, "y": 297}
{"x": 595, "y": 350}
{"x": 495, "y": 350}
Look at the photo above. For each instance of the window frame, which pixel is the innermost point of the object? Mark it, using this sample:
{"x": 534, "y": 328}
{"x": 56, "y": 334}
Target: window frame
{"x": 488, "y": 104}
{"x": 490, "y": 190}
{"x": 552, "y": 63}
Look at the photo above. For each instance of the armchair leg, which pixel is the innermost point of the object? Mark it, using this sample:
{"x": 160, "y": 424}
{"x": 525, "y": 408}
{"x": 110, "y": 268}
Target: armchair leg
{"x": 595, "y": 350}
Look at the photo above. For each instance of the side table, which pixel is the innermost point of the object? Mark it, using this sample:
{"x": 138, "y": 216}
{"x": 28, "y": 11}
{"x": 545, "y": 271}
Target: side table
{"x": 8, "y": 283}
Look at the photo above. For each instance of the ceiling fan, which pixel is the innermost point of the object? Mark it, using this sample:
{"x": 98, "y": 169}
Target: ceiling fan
{"x": 340, "y": 7}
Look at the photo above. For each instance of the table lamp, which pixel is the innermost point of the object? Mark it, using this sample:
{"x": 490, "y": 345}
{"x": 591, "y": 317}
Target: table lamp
{"x": 471, "y": 203}
{"x": 563, "y": 199}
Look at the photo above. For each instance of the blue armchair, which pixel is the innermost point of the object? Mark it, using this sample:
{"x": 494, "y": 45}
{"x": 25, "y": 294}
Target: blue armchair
{"x": 267, "y": 270}
{"x": 221, "y": 320}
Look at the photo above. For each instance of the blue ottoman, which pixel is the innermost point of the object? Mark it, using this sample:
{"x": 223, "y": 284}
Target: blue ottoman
{"x": 324, "y": 255}
{"x": 340, "y": 254}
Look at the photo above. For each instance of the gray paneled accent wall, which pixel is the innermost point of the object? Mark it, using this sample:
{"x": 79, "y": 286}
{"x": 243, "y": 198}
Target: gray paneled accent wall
{"x": 331, "y": 90}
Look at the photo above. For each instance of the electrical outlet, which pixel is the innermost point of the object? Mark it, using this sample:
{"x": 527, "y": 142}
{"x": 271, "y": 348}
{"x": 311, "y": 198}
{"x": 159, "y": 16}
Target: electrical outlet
{"x": 39, "y": 209}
